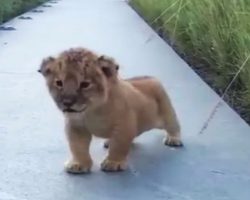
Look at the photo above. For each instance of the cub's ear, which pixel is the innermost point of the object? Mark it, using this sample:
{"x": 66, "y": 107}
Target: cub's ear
{"x": 44, "y": 67}
{"x": 108, "y": 66}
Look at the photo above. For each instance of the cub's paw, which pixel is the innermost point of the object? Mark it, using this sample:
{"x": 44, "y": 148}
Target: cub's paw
{"x": 76, "y": 167}
{"x": 173, "y": 141}
{"x": 113, "y": 166}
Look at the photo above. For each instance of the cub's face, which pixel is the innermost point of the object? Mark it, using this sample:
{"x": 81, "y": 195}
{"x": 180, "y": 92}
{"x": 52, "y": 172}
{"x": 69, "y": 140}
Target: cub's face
{"x": 78, "y": 79}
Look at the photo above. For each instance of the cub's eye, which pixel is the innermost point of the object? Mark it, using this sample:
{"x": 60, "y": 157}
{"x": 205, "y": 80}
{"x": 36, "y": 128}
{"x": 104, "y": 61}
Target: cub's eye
{"x": 59, "y": 83}
{"x": 84, "y": 84}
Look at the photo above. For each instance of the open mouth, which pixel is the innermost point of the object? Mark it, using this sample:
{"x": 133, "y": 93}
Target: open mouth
{"x": 70, "y": 110}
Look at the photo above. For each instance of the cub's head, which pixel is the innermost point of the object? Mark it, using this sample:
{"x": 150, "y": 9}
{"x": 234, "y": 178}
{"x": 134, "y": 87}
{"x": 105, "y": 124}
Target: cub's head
{"x": 78, "y": 79}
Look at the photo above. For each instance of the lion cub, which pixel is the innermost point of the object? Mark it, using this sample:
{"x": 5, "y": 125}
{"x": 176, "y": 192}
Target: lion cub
{"x": 95, "y": 101}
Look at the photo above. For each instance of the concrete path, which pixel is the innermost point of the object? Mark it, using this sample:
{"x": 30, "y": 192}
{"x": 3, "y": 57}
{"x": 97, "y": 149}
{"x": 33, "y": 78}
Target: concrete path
{"x": 214, "y": 165}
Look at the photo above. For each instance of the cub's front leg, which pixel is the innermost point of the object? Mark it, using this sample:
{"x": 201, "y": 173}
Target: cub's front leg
{"x": 79, "y": 141}
{"x": 119, "y": 145}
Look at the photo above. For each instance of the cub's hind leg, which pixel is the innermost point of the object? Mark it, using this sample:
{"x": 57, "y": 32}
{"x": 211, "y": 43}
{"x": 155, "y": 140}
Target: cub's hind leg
{"x": 169, "y": 120}
{"x": 172, "y": 127}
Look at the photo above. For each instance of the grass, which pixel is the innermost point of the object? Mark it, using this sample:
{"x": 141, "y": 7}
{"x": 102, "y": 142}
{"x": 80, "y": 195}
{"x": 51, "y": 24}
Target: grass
{"x": 213, "y": 36}
{"x": 12, "y": 8}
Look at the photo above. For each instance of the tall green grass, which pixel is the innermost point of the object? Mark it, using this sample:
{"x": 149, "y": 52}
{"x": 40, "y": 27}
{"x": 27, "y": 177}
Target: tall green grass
{"x": 11, "y": 8}
{"x": 212, "y": 35}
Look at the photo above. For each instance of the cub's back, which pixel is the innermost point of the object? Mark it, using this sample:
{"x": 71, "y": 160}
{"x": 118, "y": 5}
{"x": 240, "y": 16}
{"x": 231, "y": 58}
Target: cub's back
{"x": 148, "y": 85}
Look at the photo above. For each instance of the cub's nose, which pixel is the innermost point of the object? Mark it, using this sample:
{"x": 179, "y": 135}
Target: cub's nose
{"x": 68, "y": 102}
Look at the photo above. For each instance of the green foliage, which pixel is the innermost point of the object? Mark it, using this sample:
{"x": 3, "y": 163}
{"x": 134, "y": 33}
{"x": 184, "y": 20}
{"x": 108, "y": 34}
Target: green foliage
{"x": 213, "y": 35}
{"x": 12, "y": 8}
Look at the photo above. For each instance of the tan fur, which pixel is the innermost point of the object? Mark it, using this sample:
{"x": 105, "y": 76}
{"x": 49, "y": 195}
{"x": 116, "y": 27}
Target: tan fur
{"x": 95, "y": 101}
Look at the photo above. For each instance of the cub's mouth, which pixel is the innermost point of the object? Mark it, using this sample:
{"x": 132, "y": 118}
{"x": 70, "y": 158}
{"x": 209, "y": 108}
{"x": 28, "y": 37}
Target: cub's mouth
{"x": 70, "y": 110}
